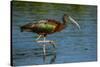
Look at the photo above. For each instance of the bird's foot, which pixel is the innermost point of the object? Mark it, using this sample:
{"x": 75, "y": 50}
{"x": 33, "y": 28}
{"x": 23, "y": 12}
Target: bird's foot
{"x": 46, "y": 41}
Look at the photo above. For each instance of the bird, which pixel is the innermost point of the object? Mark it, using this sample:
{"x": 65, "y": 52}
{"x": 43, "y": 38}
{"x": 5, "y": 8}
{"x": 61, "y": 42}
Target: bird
{"x": 48, "y": 26}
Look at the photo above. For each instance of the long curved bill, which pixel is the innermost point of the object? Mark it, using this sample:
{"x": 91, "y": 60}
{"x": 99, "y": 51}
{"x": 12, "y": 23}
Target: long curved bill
{"x": 73, "y": 21}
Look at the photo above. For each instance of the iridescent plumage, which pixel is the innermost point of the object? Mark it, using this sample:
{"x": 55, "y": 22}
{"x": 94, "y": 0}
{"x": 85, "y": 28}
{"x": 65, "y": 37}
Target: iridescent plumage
{"x": 44, "y": 27}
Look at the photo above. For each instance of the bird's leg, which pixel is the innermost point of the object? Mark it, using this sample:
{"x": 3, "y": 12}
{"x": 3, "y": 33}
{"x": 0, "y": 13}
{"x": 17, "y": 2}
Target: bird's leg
{"x": 39, "y": 37}
{"x": 44, "y": 49}
{"x": 44, "y": 46}
{"x": 53, "y": 44}
{"x": 44, "y": 39}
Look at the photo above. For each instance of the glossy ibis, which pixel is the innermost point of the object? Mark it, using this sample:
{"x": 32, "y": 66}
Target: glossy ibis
{"x": 48, "y": 26}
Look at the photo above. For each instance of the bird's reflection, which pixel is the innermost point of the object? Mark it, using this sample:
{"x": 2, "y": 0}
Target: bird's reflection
{"x": 49, "y": 58}
{"x": 50, "y": 55}
{"x": 53, "y": 58}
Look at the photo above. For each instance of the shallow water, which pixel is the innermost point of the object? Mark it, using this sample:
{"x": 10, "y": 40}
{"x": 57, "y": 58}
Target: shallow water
{"x": 72, "y": 45}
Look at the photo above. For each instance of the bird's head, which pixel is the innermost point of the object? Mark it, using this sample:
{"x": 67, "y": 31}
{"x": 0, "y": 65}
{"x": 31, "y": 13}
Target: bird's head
{"x": 66, "y": 16}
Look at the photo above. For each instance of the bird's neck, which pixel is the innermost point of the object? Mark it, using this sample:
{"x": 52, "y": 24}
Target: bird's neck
{"x": 64, "y": 20}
